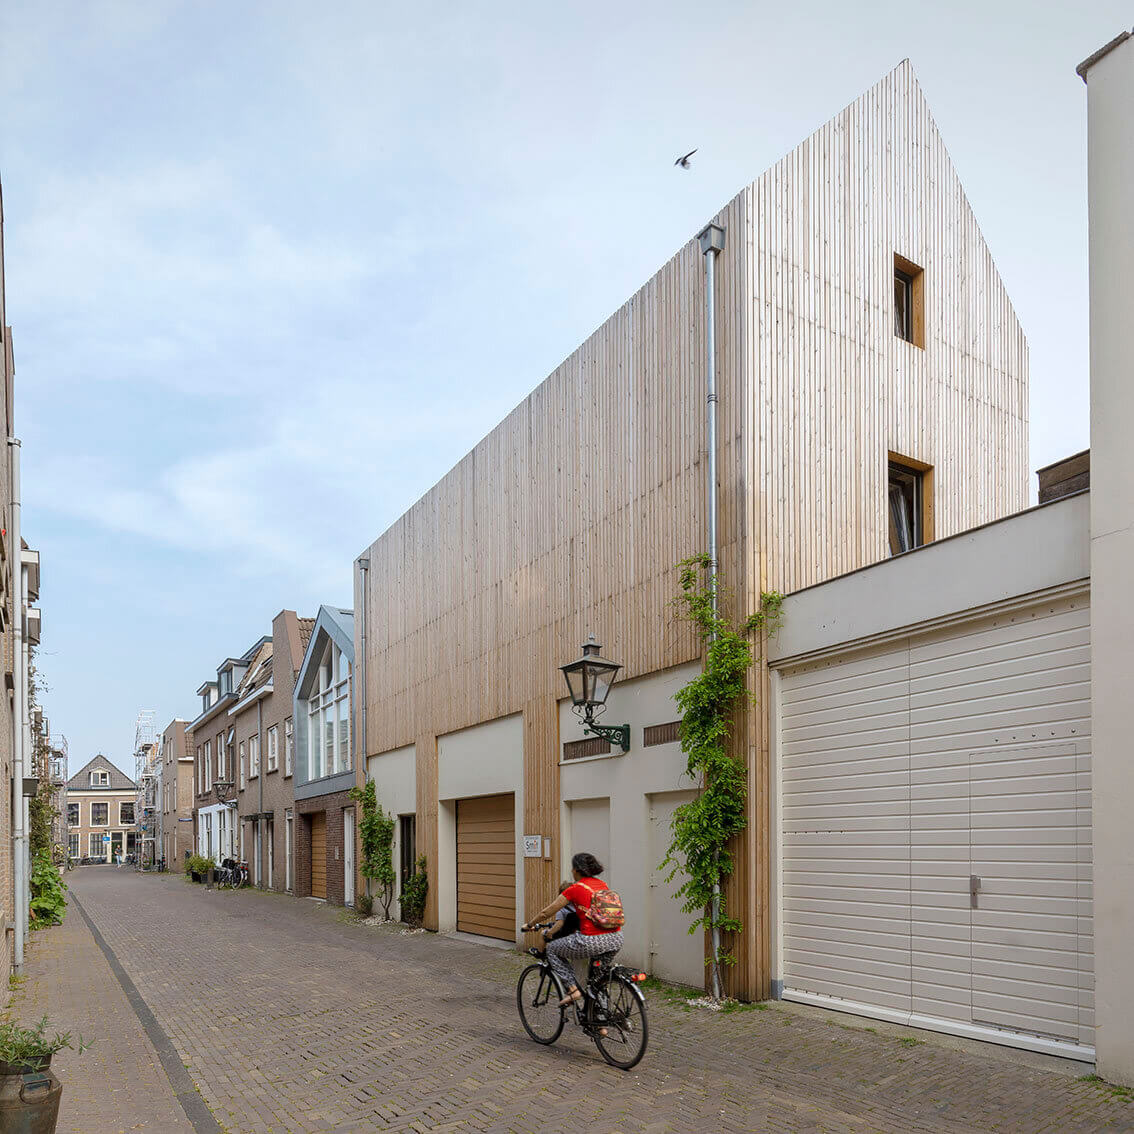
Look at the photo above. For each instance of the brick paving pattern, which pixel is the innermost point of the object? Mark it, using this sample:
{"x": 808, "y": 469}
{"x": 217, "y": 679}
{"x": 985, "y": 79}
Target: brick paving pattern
{"x": 291, "y": 1018}
{"x": 117, "y": 1084}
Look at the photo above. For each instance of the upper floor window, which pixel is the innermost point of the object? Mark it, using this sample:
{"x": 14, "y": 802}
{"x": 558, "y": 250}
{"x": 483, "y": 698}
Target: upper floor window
{"x": 240, "y": 762}
{"x": 100, "y": 779}
{"x": 208, "y": 765}
{"x": 73, "y": 819}
{"x": 909, "y": 301}
{"x": 126, "y": 814}
{"x": 253, "y": 755}
{"x": 328, "y": 713}
{"x": 289, "y": 746}
{"x": 200, "y": 772}
{"x": 224, "y": 682}
{"x": 909, "y": 501}
{"x": 273, "y": 748}
{"x": 100, "y": 814}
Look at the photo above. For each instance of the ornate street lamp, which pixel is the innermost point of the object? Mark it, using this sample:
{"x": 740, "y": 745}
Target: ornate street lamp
{"x": 222, "y": 790}
{"x": 589, "y": 680}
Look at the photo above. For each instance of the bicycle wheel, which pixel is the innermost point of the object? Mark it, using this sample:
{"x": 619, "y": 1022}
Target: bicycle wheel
{"x": 620, "y": 1008}
{"x": 537, "y": 998}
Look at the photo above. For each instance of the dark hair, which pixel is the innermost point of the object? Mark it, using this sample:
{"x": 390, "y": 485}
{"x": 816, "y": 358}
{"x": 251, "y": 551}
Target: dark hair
{"x": 587, "y": 865}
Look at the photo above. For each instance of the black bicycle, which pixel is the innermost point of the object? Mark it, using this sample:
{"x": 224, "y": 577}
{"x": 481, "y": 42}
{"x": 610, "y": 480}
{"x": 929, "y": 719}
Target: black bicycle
{"x": 612, "y": 1009}
{"x": 232, "y": 875}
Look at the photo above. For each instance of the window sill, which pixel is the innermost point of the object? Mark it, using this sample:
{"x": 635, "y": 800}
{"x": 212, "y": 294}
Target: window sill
{"x": 591, "y": 759}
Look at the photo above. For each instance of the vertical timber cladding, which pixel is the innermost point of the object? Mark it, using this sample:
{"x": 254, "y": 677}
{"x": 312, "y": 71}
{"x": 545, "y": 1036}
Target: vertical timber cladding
{"x": 569, "y": 517}
{"x": 486, "y": 866}
{"x": 319, "y": 854}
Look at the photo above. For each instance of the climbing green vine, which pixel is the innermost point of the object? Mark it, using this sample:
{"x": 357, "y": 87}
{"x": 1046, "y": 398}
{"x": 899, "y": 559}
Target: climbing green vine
{"x": 376, "y": 833}
{"x": 703, "y": 827}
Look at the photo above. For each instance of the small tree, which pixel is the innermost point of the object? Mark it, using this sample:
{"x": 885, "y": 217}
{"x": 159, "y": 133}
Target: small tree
{"x": 376, "y": 833}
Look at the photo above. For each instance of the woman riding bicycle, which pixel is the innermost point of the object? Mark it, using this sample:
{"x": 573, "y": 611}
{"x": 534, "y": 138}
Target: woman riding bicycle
{"x": 590, "y": 940}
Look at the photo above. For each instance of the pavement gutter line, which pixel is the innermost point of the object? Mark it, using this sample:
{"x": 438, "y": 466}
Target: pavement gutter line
{"x": 184, "y": 1089}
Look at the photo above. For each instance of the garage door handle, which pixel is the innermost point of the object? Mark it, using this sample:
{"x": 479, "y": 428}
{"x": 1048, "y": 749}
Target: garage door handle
{"x": 974, "y": 890}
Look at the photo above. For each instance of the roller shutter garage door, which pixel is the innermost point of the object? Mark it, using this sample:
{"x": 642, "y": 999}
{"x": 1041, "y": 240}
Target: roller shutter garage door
{"x": 486, "y": 866}
{"x": 936, "y": 829}
{"x": 319, "y": 854}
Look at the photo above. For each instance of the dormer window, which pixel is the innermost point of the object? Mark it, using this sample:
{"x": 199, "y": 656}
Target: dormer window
{"x": 100, "y": 779}
{"x": 225, "y": 682}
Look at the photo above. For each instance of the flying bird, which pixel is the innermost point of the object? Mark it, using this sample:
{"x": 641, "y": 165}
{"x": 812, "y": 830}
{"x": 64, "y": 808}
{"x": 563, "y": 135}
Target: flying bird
{"x": 684, "y": 161}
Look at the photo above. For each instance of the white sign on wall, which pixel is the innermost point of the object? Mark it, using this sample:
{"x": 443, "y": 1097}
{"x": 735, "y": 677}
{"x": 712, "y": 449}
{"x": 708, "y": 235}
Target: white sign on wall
{"x": 533, "y": 846}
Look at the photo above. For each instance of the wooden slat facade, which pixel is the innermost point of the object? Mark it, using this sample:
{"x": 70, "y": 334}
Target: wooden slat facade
{"x": 570, "y": 516}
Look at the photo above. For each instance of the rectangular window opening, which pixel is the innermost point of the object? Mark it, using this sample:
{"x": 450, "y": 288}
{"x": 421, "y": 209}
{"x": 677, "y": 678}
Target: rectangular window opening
{"x": 909, "y": 503}
{"x": 909, "y": 301}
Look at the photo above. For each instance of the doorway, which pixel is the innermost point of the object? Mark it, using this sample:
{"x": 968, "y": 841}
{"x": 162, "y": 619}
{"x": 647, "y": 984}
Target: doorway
{"x": 348, "y": 857}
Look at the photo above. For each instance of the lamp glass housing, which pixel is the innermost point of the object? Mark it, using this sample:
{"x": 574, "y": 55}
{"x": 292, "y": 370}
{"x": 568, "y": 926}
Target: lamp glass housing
{"x": 589, "y": 679}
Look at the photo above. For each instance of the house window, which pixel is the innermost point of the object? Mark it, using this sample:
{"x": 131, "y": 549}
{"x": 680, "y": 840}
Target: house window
{"x": 208, "y": 765}
{"x": 408, "y": 854}
{"x": 126, "y": 815}
{"x": 73, "y": 845}
{"x": 253, "y": 756}
{"x": 289, "y": 746}
{"x": 73, "y": 819}
{"x": 100, "y": 779}
{"x": 222, "y": 758}
{"x": 200, "y": 773}
{"x": 273, "y": 748}
{"x": 240, "y": 761}
{"x": 94, "y": 847}
{"x": 909, "y": 502}
{"x": 100, "y": 814}
{"x": 909, "y": 301}
{"x": 328, "y": 712}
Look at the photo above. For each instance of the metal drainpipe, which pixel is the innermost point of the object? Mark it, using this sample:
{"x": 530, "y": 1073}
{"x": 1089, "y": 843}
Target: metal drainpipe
{"x": 260, "y": 766}
{"x": 711, "y": 239}
{"x": 364, "y": 577}
{"x": 19, "y": 831}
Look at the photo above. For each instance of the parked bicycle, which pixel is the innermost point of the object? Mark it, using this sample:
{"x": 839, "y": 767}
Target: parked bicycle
{"x": 232, "y": 874}
{"x": 612, "y": 1009}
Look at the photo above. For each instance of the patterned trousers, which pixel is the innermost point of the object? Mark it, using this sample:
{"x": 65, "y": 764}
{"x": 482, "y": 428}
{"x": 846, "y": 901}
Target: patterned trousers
{"x": 563, "y": 950}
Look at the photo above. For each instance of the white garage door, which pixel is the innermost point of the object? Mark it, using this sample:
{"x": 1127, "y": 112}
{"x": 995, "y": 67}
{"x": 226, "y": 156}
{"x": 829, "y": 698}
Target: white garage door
{"x": 936, "y": 829}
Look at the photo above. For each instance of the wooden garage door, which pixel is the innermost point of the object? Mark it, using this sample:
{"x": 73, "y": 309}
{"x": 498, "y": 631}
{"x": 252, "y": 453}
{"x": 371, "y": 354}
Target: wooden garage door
{"x": 319, "y": 854}
{"x": 486, "y": 866}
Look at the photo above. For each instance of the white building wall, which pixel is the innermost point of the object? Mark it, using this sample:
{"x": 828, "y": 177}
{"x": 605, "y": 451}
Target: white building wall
{"x": 487, "y": 759}
{"x": 1110, "y": 144}
{"x": 395, "y": 783}
{"x": 621, "y": 805}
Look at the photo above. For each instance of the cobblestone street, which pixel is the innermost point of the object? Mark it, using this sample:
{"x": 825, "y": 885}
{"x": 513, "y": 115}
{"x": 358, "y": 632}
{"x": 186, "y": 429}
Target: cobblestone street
{"x": 291, "y": 1017}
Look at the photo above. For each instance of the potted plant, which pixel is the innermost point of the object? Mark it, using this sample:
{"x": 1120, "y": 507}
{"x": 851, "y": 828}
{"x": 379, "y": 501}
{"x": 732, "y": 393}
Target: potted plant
{"x": 29, "y": 1090}
{"x": 198, "y": 866}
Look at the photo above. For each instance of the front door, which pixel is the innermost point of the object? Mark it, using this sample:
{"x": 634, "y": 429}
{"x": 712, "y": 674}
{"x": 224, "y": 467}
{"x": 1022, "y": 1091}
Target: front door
{"x": 319, "y": 855}
{"x": 348, "y": 856}
{"x": 287, "y": 851}
{"x": 486, "y": 866}
{"x": 271, "y": 852}
{"x": 117, "y": 845}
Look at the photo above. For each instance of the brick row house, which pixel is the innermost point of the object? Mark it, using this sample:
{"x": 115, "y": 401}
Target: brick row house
{"x": 262, "y": 736}
{"x": 176, "y": 753}
{"x": 19, "y": 634}
{"x": 101, "y": 813}
{"x": 242, "y": 753}
{"x": 324, "y": 762}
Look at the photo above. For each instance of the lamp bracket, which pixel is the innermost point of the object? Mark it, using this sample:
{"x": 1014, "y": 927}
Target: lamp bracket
{"x": 614, "y": 734}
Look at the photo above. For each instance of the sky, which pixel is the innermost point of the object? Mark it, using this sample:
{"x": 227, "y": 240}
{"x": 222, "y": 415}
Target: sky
{"x": 274, "y": 267}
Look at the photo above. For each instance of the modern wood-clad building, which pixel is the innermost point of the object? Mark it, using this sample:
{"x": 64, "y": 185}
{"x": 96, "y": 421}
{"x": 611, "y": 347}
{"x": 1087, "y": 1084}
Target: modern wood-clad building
{"x": 873, "y": 384}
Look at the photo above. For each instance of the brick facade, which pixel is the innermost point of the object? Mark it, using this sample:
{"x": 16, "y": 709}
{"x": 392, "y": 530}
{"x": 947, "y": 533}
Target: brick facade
{"x": 266, "y": 797}
{"x": 334, "y": 806}
{"x": 176, "y": 794}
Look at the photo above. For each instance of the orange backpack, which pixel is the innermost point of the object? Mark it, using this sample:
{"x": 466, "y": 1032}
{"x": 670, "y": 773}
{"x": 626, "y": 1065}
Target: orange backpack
{"x": 606, "y": 911}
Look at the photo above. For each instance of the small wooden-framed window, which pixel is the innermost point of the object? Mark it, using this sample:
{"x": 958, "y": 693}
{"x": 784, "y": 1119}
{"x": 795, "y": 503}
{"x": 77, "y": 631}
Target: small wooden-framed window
{"x": 909, "y": 301}
{"x": 909, "y": 503}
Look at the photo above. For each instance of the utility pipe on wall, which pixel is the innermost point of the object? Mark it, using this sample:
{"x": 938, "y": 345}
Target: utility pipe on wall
{"x": 19, "y": 827}
{"x": 711, "y": 239}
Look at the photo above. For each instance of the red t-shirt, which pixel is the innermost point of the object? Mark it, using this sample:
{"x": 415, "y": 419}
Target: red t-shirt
{"x": 580, "y": 895}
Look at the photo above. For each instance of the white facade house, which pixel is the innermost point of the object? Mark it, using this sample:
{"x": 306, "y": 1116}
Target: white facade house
{"x": 1109, "y": 75}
